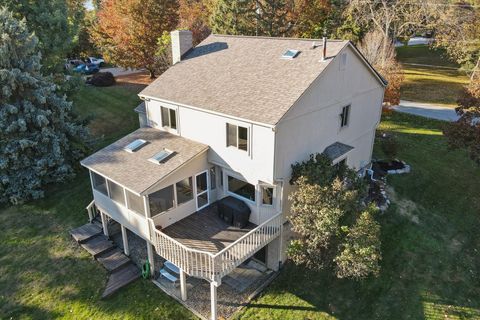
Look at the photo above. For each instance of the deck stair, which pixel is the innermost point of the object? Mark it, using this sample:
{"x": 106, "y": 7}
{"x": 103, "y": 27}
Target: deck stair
{"x": 122, "y": 271}
{"x": 170, "y": 272}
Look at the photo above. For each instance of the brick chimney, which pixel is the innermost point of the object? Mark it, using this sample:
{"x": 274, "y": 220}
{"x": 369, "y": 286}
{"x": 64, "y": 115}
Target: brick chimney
{"x": 181, "y": 43}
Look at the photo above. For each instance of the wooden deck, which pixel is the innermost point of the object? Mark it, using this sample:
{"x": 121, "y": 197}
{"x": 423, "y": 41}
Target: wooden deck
{"x": 204, "y": 230}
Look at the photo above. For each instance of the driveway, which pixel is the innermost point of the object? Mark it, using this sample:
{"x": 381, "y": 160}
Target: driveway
{"x": 427, "y": 110}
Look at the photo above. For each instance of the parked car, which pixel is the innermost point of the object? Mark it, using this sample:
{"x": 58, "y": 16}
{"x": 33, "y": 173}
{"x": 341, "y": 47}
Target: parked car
{"x": 72, "y": 63}
{"x": 96, "y": 61}
{"x": 87, "y": 68}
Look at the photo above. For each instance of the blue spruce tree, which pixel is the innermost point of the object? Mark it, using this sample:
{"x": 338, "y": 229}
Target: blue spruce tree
{"x": 40, "y": 137}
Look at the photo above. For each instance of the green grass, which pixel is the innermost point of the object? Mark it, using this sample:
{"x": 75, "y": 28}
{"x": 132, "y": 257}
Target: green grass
{"x": 43, "y": 273}
{"x": 430, "y": 244}
{"x": 441, "y": 86}
{"x": 422, "y": 54}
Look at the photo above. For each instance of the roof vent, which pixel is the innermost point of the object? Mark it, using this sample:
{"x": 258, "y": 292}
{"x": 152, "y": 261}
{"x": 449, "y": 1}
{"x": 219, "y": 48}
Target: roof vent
{"x": 135, "y": 145}
{"x": 162, "y": 155}
{"x": 290, "y": 54}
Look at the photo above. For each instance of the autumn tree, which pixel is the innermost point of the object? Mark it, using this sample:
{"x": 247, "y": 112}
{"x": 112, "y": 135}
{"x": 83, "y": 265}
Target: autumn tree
{"x": 128, "y": 31}
{"x": 272, "y": 17}
{"x": 334, "y": 229}
{"x": 40, "y": 137}
{"x": 458, "y": 31}
{"x": 380, "y": 52}
{"x": 465, "y": 132}
{"x": 193, "y": 16}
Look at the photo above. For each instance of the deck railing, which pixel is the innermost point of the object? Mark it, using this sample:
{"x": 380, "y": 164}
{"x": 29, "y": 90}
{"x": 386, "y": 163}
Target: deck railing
{"x": 210, "y": 266}
{"x": 91, "y": 211}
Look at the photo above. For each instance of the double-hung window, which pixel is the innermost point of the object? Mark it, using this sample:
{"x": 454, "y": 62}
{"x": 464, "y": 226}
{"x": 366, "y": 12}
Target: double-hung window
{"x": 344, "y": 116}
{"x": 237, "y": 136}
{"x": 267, "y": 195}
{"x": 169, "y": 118}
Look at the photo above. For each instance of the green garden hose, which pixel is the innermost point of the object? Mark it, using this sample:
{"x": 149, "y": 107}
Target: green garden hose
{"x": 146, "y": 270}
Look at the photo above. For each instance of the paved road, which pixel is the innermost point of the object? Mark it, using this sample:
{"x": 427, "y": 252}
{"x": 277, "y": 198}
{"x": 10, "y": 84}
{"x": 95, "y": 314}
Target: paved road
{"x": 427, "y": 110}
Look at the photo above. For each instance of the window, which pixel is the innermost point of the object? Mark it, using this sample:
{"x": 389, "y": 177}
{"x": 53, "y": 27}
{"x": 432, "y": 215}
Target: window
{"x": 344, "y": 116}
{"x": 213, "y": 178}
{"x": 241, "y": 188}
{"x": 161, "y": 156}
{"x": 99, "y": 183}
{"x": 135, "y": 145}
{"x": 161, "y": 201}
{"x": 267, "y": 196}
{"x": 237, "y": 137}
{"x": 116, "y": 192}
{"x": 169, "y": 118}
{"x": 135, "y": 203}
{"x": 184, "y": 190}
{"x": 221, "y": 178}
{"x": 290, "y": 54}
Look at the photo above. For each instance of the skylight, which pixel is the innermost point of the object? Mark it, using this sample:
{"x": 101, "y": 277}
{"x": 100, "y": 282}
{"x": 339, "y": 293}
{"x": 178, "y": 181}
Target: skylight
{"x": 135, "y": 145}
{"x": 290, "y": 54}
{"x": 159, "y": 157}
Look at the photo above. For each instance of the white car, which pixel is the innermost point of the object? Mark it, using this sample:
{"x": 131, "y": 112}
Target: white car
{"x": 95, "y": 61}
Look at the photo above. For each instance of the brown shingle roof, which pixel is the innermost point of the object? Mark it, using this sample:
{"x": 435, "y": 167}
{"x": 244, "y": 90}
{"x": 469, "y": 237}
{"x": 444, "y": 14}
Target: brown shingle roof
{"x": 133, "y": 170}
{"x": 244, "y": 77}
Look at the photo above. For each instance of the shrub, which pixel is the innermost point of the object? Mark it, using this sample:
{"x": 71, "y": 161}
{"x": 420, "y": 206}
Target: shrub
{"x": 102, "y": 79}
{"x": 389, "y": 146}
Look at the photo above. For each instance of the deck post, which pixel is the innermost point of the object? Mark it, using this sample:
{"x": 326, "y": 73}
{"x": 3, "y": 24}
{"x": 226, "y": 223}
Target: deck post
{"x": 104, "y": 223}
{"x": 126, "y": 249}
{"x": 151, "y": 259}
{"x": 213, "y": 300}
{"x": 183, "y": 285}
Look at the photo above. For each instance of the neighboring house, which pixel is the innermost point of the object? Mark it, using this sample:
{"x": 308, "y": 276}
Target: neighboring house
{"x": 228, "y": 119}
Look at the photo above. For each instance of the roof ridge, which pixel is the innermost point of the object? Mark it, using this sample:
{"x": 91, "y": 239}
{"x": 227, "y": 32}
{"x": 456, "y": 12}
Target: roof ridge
{"x": 274, "y": 38}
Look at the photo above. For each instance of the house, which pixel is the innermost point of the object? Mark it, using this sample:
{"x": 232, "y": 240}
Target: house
{"x": 228, "y": 119}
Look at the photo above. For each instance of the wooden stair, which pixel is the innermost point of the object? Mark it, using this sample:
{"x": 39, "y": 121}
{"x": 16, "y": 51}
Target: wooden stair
{"x": 120, "y": 278}
{"x": 86, "y": 232}
{"x": 113, "y": 260}
{"x": 122, "y": 270}
{"x": 98, "y": 245}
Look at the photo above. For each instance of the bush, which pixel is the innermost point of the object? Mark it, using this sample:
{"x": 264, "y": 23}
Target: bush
{"x": 389, "y": 145}
{"x": 102, "y": 79}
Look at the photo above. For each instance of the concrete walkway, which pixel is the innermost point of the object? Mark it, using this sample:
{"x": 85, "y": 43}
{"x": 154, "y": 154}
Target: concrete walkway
{"x": 427, "y": 110}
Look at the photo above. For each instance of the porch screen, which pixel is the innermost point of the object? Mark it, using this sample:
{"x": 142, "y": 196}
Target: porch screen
{"x": 99, "y": 183}
{"x": 161, "y": 201}
{"x": 135, "y": 203}
{"x": 116, "y": 193}
{"x": 184, "y": 190}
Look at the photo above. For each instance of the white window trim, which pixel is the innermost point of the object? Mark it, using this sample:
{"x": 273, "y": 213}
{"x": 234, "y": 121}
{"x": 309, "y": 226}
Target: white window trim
{"x": 233, "y": 194}
{"x": 248, "y": 127}
{"x": 274, "y": 195}
{"x": 169, "y": 128}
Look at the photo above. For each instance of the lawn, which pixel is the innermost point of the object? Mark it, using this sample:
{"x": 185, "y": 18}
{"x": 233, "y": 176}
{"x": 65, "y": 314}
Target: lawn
{"x": 43, "y": 273}
{"x": 430, "y": 244}
{"x": 430, "y": 240}
{"x": 438, "y": 85}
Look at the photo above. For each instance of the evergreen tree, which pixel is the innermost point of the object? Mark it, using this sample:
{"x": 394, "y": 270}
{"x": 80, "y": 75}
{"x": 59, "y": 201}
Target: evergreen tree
{"x": 55, "y": 23}
{"x": 235, "y": 17}
{"x": 273, "y": 17}
{"x": 39, "y": 137}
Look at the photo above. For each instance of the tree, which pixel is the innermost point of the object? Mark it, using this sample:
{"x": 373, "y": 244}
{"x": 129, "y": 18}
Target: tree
{"x": 458, "y": 31}
{"x": 83, "y": 45}
{"x": 394, "y": 18}
{"x": 235, "y": 17}
{"x": 194, "y": 17}
{"x": 54, "y": 22}
{"x": 127, "y": 31}
{"x": 381, "y": 54}
{"x": 273, "y": 17}
{"x": 465, "y": 132}
{"x": 40, "y": 139}
{"x": 330, "y": 221}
